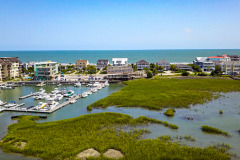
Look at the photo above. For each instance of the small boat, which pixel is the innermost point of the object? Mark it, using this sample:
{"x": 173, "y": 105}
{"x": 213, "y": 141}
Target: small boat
{"x": 59, "y": 84}
{"x": 10, "y": 104}
{"x": 51, "y": 97}
{"x": 1, "y": 102}
{"x": 7, "y": 87}
{"x": 41, "y": 105}
{"x": 84, "y": 94}
{"x": 89, "y": 91}
{"x": 99, "y": 87}
{"x": 2, "y": 109}
{"x": 94, "y": 90}
{"x": 52, "y": 104}
{"x": 73, "y": 101}
{"x": 89, "y": 85}
{"x": 77, "y": 84}
{"x": 68, "y": 98}
{"x": 40, "y": 84}
{"x": 59, "y": 97}
{"x": 41, "y": 91}
{"x": 96, "y": 84}
{"x": 70, "y": 92}
{"x": 106, "y": 83}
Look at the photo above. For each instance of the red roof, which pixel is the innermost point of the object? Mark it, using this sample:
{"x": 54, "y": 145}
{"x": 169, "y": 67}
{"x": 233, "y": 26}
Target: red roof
{"x": 217, "y": 57}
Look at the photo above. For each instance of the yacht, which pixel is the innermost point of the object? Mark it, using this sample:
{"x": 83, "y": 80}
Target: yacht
{"x": 99, "y": 87}
{"x": 1, "y": 102}
{"x": 59, "y": 97}
{"x": 51, "y": 97}
{"x": 94, "y": 90}
{"x": 55, "y": 91}
{"x": 69, "y": 93}
{"x": 96, "y": 84}
{"x": 52, "y": 104}
{"x": 84, "y": 94}
{"x": 41, "y": 105}
{"x": 73, "y": 101}
{"x": 10, "y": 104}
{"x": 77, "y": 84}
{"x": 89, "y": 91}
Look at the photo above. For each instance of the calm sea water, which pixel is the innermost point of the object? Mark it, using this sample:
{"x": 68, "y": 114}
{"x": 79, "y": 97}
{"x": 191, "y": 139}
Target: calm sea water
{"x": 133, "y": 55}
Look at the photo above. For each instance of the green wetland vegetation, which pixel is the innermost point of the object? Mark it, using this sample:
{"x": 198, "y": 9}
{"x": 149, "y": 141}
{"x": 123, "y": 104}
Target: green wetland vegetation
{"x": 169, "y": 112}
{"x": 64, "y": 139}
{"x": 163, "y": 93}
{"x": 209, "y": 129}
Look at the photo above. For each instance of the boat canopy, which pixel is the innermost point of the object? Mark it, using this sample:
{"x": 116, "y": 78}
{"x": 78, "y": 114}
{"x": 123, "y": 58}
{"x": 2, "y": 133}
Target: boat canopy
{"x": 12, "y": 101}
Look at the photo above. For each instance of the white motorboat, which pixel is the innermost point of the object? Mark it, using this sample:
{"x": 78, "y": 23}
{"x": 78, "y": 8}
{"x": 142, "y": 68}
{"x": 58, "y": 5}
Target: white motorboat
{"x": 77, "y": 84}
{"x": 41, "y": 105}
{"x": 68, "y": 98}
{"x": 7, "y": 87}
{"x": 89, "y": 91}
{"x": 41, "y": 91}
{"x": 89, "y": 85}
{"x": 99, "y": 87}
{"x": 84, "y": 94}
{"x": 59, "y": 97}
{"x": 51, "y": 97}
{"x": 1, "y": 102}
{"x": 52, "y": 104}
{"x": 106, "y": 83}
{"x": 10, "y": 104}
{"x": 73, "y": 101}
{"x": 94, "y": 90}
{"x": 40, "y": 84}
{"x": 71, "y": 92}
{"x": 55, "y": 91}
{"x": 96, "y": 84}
{"x": 59, "y": 84}
{"x": 2, "y": 109}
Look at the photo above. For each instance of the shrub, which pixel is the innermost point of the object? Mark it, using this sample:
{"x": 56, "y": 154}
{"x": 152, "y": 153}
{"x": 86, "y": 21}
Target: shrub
{"x": 213, "y": 130}
{"x": 89, "y": 108}
{"x": 202, "y": 74}
{"x": 149, "y": 74}
{"x": 220, "y": 111}
{"x": 169, "y": 112}
{"x": 185, "y": 73}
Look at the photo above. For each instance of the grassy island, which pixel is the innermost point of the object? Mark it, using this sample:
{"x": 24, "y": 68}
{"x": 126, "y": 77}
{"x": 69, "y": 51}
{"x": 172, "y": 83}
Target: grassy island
{"x": 162, "y": 93}
{"x": 64, "y": 139}
{"x": 213, "y": 130}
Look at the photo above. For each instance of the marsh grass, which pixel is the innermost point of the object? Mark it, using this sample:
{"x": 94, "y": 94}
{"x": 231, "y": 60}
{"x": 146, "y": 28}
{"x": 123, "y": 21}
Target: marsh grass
{"x": 169, "y": 112}
{"x": 163, "y": 93}
{"x": 209, "y": 129}
{"x": 64, "y": 139}
{"x": 220, "y": 112}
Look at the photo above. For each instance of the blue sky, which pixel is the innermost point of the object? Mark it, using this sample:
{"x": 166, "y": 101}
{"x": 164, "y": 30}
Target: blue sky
{"x": 123, "y": 24}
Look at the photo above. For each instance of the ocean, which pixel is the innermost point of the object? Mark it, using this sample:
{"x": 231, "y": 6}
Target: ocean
{"x": 152, "y": 56}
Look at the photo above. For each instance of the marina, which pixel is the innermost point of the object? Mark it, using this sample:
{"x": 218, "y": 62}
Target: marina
{"x": 55, "y": 95}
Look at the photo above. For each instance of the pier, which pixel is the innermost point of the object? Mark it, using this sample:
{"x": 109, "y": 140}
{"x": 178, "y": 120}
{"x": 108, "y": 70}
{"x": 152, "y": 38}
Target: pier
{"x": 29, "y": 95}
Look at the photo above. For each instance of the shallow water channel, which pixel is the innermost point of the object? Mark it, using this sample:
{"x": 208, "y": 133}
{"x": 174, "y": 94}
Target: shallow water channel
{"x": 205, "y": 114}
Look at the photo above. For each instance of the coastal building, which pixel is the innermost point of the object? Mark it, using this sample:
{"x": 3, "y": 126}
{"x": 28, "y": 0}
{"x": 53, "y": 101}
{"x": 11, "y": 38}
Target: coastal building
{"x": 81, "y": 63}
{"x": 184, "y": 67}
{"x": 230, "y": 67}
{"x": 126, "y": 76}
{"x": 119, "y": 69}
{"x": 120, "y": 61}
{"x": 142, "y": 64}
{"x": 223, "y": 58}
{"x": 28, "y": 64}
{"x": 102, "y": 64}
{"x": 11, "y": 67}
{"x": 45, "y": 70}
{"x": 0, "y": 72}
{"x": 234, "y": 57}
{"x": 205, "y": 64}
{"x": 165, "y": 64}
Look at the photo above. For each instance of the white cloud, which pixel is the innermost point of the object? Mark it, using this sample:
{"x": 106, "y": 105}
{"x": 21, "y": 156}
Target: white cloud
{"x": 189, "y": 30}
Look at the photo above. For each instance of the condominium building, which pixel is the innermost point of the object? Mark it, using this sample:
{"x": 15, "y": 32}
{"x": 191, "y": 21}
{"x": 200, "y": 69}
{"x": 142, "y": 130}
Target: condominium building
{"x": 205, "y": 64}
{"x": 120, "y": 61}
{"x": 0, "y": 72}
{"x": 11, "y": 67}
{"x": 223, "y": 58}
{"x": 45, "y": 70}
{"x": 119, "y": 69}
{"x": 81, "y": 63}
{"x": 165, "y": 64}
{"x": 142, "y": 64}
{"x": 230, "y": 68}
{"x": 234, "y": 57}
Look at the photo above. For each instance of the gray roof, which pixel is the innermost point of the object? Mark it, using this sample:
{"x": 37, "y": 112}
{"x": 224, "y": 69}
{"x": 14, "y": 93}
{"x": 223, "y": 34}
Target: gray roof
{"x": 142, "y": 61}
{"x": 183, "y": 66}
{"x": 163, "y": 61}
{"x": 102, "y": 62}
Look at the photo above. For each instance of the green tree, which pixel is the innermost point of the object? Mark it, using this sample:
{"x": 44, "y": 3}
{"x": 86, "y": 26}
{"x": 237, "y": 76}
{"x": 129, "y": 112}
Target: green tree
{"x": 217, "y": 71}
{"x": 160, "y": 68}
{"x": 155, "y": 71}
{"x": 185, "y": 73}
{"x": 173, "y": 67}
{"x": 152, "y": 66}
{"x": 149, "y": 74}
{"x": 30, "y": 69}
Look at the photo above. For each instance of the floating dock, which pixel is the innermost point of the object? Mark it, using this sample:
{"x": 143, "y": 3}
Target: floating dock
{"x": 29, "y": 95}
